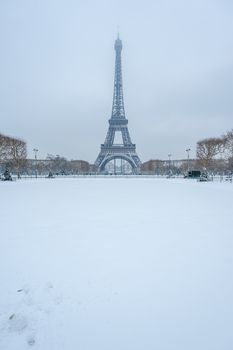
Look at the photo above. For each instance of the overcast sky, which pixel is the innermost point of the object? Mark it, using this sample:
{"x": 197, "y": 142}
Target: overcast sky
{"x": 57, "y": 69}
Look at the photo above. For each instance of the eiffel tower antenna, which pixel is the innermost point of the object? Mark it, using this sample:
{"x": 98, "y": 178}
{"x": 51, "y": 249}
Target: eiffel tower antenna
{"x": 118, "y": 123}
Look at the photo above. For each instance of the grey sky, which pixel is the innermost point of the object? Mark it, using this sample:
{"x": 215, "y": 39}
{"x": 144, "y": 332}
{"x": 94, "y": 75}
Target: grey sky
{"x": 57, "y": 68}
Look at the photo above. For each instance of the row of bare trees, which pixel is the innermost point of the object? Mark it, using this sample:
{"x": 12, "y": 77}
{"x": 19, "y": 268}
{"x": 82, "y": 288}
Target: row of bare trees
{"x": 216, "y": 153}
{"x": 56, "y": 165}
{"x": 13, "y": 153}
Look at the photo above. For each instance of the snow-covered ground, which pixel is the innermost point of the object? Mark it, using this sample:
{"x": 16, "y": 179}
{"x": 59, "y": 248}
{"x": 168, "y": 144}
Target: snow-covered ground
{"x": 116, "y": 264}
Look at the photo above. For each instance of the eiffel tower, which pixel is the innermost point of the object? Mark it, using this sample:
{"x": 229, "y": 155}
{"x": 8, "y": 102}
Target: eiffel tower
{"x": 126, "y": 151}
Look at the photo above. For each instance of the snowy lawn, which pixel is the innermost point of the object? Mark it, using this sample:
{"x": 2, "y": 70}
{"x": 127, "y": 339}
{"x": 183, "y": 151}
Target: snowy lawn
{"x": 116, "y": 264}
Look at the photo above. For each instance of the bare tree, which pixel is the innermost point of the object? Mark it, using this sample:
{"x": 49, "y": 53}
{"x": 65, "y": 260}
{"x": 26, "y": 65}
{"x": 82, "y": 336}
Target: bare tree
{"x": 13, "y": 152}
{"x": 208, "y": 150}
{"x": 228, "y": 148}
{"x": 228, "y": 143}
{"x": 18, "y": 154}
{"x": 58, "y": 164}
{"x": 4, "y": 147}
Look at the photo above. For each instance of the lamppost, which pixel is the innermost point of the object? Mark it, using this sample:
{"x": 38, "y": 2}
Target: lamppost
{"x": 169, "y": 163}
{"x": 35, "y": 150}
{"x": 188, "y": 150}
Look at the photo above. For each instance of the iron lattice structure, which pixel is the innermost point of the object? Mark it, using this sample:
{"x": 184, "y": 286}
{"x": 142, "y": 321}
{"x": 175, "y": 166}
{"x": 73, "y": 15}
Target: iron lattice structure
{"x": 118, "y": 123}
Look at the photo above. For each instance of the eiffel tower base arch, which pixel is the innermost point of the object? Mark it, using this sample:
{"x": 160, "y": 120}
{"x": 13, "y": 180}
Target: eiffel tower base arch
{"x": 134, "y": 167}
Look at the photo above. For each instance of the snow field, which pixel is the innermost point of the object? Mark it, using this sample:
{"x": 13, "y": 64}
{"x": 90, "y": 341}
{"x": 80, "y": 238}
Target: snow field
{"x": 116, "y": 264}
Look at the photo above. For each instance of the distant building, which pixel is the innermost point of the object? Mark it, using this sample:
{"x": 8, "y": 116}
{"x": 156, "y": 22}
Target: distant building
{"x": 161, "y": 167}
{"x": 79, "y": 166}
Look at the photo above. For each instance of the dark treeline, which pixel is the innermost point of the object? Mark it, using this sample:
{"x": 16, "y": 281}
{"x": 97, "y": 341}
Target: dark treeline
{"x": 56, "y": 165}
{"x": 214, "y": 154}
